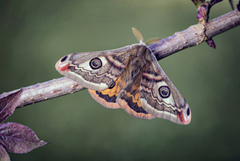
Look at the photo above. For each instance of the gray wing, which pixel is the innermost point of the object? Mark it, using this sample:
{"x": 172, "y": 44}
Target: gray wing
{"x": 95, "y": 70}
{"x": 159, "y": 96}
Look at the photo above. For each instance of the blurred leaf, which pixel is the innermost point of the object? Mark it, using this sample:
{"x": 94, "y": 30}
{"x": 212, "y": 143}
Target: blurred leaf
{"x": 3, "y": 154}
{"x": 8, "y": 104}
{"x": 18, "y": 138}
{"x": 213, "y": 2}
{"x": 238, "y": 5}
{"x": 198, "y": 3}
{"x": 231, "y": 3}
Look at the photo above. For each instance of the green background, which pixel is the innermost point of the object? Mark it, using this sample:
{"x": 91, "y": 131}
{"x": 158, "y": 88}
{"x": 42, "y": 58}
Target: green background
{"x": 34, "y": 34}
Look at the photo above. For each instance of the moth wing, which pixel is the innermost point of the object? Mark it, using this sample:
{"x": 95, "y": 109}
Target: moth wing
{"x": 108, "y": 96}
{"x": 95, "y": 70}
{"x": 129, "y": 96}
{"x": 107, "y": 100}
{"x": 125, "y": 92}
{"x": 158, "y": 95}
{"x": 129, "y": 99}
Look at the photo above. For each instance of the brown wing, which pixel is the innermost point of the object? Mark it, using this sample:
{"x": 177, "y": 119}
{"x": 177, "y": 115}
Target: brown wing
{"x": 129, "y": 99}
{"x": 125, "y": 92}
{"x": 95, "y": 70}
{"x": 159, "y": 96}
{"x": 108, "y": 96}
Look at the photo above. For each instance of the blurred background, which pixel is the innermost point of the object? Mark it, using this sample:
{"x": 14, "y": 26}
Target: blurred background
{"x": 35, "y": 34}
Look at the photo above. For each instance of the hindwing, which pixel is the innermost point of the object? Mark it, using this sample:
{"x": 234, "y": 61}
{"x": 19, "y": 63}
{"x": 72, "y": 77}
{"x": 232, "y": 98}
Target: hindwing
{"x": 108, "y": 96}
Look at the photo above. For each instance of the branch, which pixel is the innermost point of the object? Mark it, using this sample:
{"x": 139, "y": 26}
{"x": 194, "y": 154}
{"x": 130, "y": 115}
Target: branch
{"x": 46, "y": 90}
{"x": 195, "y": 35}
{"x": 192, "y": 36}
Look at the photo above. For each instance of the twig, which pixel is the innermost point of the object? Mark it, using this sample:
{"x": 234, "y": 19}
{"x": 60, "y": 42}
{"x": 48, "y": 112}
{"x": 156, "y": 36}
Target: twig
{"x": 192, "y": 36}
{"x": 195, "y": 35}
{"x": 46, "y": 90}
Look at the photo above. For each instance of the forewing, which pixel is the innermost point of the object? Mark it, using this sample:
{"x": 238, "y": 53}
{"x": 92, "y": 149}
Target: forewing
{"x": 95, "y": 70}
{"x": 158, "y": 95}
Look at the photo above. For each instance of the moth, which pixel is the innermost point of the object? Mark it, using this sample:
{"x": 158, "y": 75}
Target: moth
{"x": 129, "y": 78}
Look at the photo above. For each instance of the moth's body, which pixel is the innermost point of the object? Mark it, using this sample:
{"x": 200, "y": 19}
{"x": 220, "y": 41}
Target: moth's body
{"x": 129, "y": 78}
